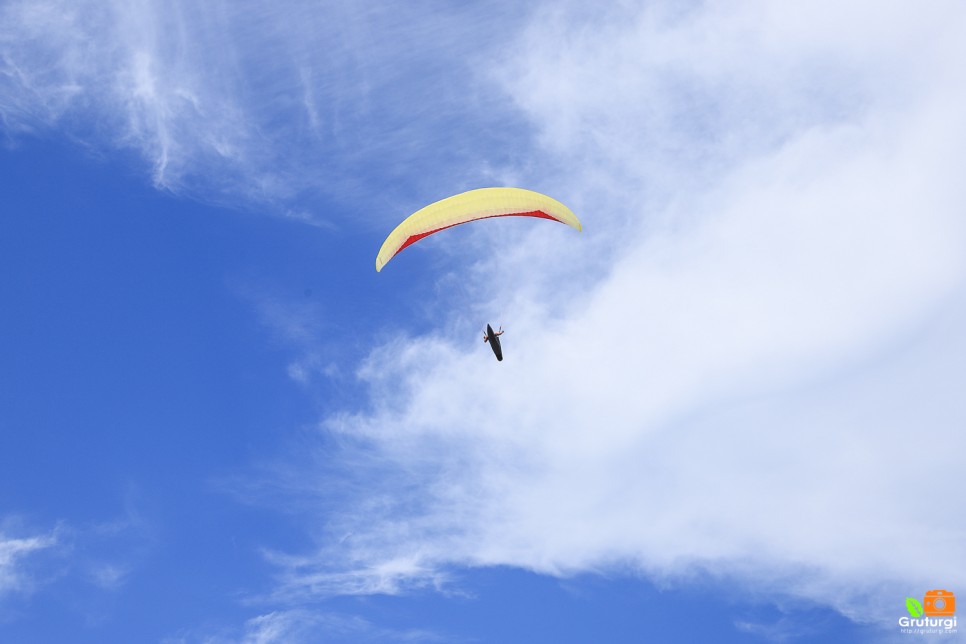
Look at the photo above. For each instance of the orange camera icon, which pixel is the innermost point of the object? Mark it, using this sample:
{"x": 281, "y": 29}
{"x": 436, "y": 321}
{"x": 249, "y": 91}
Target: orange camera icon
{"x": 939, "y": 603}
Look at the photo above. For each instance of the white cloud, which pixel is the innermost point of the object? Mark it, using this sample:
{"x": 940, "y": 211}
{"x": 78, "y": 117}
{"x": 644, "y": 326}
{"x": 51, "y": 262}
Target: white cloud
{"x": 258, "y": 102}
{"x": 296, "y": 626}
{"x": 17, "y": 555}
{"x": 48, "y": 563}
{"x": 299, "y": 625}
{"x": 761, "y": 381}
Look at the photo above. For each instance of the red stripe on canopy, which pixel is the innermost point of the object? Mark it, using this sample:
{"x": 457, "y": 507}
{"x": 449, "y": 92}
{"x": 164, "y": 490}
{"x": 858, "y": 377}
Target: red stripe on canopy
{"x": 533, "y": 213}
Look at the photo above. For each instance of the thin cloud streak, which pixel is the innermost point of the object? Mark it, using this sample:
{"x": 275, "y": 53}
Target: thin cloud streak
{"x": 297, "y": 626}
{"x": 256, "y": 103}
{"x": 16, "y": 553}
{"x": 102, "y": 556}
{"x": 757, "y": 348}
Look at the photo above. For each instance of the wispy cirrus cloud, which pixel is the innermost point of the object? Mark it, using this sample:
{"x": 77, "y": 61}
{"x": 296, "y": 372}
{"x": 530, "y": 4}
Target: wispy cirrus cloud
{"x": 296, "y": 626}
{"x": 776, "y": 307}
{"x": 17, "y": 558}
{"x": 100, "y": 557}
{"x": 257, "y": 103}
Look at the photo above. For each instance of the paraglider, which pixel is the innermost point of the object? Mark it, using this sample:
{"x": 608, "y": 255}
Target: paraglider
{"x": 494, "y": 340}
{"x": 473, "y": 205}
{"x": 482, "y": 203}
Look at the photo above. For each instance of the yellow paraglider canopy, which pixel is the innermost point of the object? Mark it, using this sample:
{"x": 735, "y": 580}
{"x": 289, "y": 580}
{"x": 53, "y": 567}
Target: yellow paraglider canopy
{"x": 482, "y": 203}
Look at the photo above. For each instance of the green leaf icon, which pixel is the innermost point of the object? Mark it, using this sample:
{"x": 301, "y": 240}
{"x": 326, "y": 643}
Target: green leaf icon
{"x": 913, "y": 606}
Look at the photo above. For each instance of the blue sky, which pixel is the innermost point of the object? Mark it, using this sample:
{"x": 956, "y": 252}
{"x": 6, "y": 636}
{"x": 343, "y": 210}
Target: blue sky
{"x": 731, "y": 408}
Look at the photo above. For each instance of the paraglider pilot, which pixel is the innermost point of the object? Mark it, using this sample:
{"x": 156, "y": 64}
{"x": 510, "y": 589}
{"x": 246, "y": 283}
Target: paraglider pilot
{"x": 494, "y": 339}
